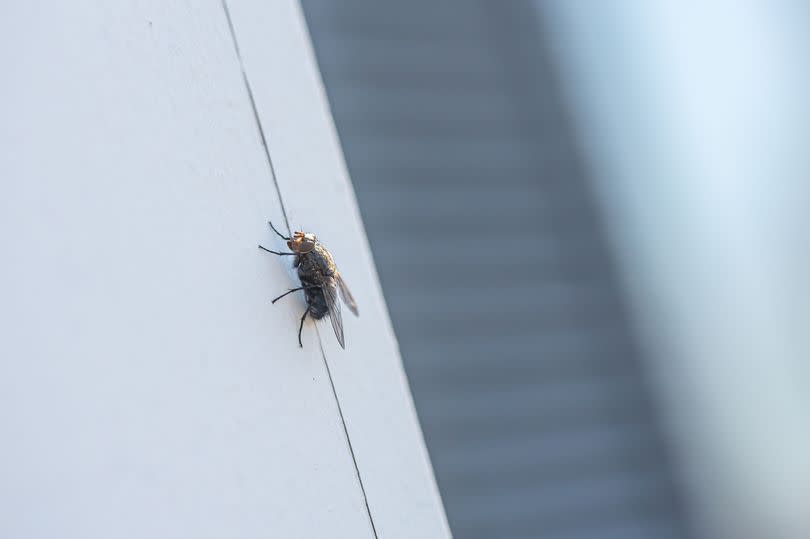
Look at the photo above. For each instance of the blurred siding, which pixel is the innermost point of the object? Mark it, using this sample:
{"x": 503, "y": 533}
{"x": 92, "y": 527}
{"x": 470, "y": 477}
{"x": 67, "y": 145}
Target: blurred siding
{"x": 496, "y": 274}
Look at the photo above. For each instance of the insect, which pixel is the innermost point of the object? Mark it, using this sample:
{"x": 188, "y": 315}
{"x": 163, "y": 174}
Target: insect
{"x": 320, "y": 281}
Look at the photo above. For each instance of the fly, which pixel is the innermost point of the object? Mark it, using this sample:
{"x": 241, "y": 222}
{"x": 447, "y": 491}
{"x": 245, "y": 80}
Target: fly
{"x": 320, "y": 281}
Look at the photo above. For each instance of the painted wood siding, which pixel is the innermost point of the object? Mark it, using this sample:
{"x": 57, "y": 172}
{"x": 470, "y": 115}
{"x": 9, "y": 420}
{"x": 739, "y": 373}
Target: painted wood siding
{"x": 499, "y": 281}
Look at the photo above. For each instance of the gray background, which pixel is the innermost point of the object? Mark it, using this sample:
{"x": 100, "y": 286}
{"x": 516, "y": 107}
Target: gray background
{"x": 498, "y": 279}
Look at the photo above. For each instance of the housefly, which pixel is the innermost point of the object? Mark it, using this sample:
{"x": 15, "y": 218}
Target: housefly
{"x": 320, "y": 281}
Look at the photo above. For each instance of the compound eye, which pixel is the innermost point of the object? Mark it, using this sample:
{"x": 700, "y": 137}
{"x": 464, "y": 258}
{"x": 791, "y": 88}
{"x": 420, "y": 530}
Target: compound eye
{"x": 305, "y": 245}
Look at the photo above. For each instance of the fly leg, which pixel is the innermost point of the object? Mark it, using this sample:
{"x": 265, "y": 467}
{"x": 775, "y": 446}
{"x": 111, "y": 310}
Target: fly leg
{"x": 301, "y": 326}
{"x": 263, "y": 248}
{"x": 282, "y": 236}
{"x": 291, "y": 290}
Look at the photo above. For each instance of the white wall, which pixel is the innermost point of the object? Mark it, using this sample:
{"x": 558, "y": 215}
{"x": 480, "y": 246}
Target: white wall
{"x": 148, "y": 388}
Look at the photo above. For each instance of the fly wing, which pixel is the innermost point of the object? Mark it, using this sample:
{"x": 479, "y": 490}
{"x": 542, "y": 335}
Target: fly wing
{"x": 346, "y": 295}
{"x": 330, "y": 294}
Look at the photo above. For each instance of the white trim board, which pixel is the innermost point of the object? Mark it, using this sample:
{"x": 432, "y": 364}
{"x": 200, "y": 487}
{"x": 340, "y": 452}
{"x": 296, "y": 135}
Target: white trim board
{"x": 147, "y": 386}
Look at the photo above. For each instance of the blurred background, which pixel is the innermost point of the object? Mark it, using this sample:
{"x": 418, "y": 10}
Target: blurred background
{"x": 589, "y": 223}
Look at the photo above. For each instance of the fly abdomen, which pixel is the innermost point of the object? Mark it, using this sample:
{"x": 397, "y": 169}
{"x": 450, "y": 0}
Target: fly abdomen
{"x": 317, "y": 303}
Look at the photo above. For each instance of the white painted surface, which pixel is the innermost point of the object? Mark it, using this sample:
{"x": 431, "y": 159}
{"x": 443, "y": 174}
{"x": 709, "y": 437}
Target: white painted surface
{"x": 317, "y": 193}
{"x": 147, "y": 386}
